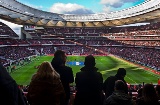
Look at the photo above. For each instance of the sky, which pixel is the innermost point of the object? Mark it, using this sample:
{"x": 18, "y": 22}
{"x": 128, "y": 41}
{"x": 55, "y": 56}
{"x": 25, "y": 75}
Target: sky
{"x": 76, "y": 7}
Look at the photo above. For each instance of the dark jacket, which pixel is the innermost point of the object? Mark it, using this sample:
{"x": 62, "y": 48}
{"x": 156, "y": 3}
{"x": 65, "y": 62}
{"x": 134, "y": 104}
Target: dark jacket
{"x": 9, "y": 92}
{"x": 66, "y": 76}
{"x": 108, "y": 85}
{"x": 140, "y": 101}
{"x": 119, "y": 98}
{"x": 46, "y": 92}
{"x": 89, "y": 87}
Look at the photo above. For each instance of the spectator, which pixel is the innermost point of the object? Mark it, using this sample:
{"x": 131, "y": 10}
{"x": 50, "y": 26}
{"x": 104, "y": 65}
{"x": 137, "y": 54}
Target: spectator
{"x": 158, "y": 81}
{"x": 119, "y": 97}
{"x": 139, "y": 93}
{"x": 158, "y": 91}
{"x": 149, "y": 96}
{"x": 108, "y": 85}
{"x": 46, "y": 87}
{"x": 9, "y": 92}
{"x": 66, "y": 73}
{"x": 89, "y": 84}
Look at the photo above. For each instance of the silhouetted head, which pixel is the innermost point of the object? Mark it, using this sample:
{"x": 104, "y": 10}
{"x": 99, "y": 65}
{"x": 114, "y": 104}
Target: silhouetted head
{"x": 119, "y": 85}
{"x": 121, "y": 72}
{"x": 59, "y": 53}
{"x": 89, "y": 61}
{"x": 59, "y": 58}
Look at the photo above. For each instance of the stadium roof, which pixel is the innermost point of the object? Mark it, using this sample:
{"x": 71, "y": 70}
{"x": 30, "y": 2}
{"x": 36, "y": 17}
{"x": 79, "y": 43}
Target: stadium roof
{"x": 16, "y": 12}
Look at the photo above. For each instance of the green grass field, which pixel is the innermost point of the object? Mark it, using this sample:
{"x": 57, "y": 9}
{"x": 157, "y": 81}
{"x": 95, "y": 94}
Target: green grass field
{"x": 107, "y": 65}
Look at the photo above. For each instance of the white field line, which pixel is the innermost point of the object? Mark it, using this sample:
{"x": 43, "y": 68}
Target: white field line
{"x": 142, "y": 68}
{"x": 131, "y": 80}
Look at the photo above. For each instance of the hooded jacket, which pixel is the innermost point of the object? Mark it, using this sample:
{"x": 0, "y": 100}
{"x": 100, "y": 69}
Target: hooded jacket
{"x": 119, "y": 98}
{"x": 108, "y": 85}
{"x": 9, "y": 92}
{"x": 89, "y": 87}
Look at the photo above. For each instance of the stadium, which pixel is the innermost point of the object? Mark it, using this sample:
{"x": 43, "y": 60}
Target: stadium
{"x": 114, "y": 45}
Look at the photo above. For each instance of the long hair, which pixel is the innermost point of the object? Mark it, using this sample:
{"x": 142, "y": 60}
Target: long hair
{"x": 46, "y": 71}
{"x": 149, "y": 93}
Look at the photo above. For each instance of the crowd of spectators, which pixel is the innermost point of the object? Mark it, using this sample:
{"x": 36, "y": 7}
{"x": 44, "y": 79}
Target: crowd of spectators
{"x": 6, "y": 31}
{"x": 123, "y": 92}
{"x": 138, "y": 44}
{"x": 144, "y": 56}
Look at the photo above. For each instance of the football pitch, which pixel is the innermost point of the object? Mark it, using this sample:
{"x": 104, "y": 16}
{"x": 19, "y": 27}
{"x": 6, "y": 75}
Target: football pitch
{"x": 107, "y": 65}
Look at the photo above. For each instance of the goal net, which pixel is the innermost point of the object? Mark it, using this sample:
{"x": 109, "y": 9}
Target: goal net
{"x": 76, "y": 54}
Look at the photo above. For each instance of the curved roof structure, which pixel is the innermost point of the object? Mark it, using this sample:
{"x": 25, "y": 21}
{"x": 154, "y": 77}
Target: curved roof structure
{"x": 16, "y": 12}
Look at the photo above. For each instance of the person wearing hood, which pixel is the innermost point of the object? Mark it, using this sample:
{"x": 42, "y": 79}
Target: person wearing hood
{"x": 108, "y": 85}
{"x": 9, "y": 92}
{"x": 88, "y": 84}
{"x": 119, "y": 97}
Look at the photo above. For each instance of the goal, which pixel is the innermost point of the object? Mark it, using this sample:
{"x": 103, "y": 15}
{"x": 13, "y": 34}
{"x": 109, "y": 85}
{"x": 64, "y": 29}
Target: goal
{"x": 76, "y": 54}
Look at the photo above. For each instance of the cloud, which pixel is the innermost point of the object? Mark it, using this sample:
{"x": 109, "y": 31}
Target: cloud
{"x": 16, "y": 28}
{"x": 69, "y": 8}
{"x": 116, "y": 3}
{"x": 106, "y": 9}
